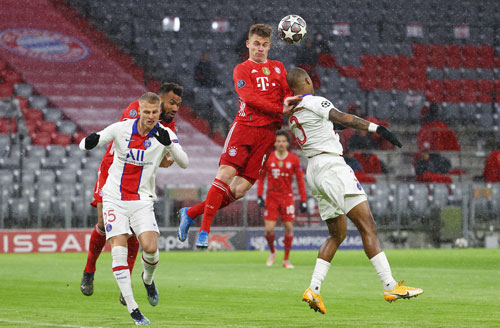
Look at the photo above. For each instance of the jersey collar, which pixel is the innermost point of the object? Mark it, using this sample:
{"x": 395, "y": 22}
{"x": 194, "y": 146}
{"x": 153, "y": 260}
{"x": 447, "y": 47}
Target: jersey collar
{"x": 136, "y": 131}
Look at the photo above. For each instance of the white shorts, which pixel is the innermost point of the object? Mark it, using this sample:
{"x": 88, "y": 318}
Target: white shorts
{"x": 121, "y": 216}
{"x": 334, "y": 185}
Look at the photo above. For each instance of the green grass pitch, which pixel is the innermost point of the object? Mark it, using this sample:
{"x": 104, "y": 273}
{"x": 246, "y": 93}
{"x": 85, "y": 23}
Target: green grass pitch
{"x": 236, "y": 289}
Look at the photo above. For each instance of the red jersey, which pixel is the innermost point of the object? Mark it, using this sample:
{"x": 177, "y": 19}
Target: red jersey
{"x": 261, "y": 89}
{"x": 280, "y": 176}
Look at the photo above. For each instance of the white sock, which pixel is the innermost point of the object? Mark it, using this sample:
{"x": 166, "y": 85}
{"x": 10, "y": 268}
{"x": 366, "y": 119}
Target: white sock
{"x": 122, "y": 275}
{"x": 383, "y": 269}
{"x": 319, "y": 274}
{"x": 149, "y": 262}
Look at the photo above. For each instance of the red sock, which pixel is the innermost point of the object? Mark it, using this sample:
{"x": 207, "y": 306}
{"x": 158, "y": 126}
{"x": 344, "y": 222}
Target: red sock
{"x": 213, "y": 202}
{"x": 133, "y": 249}
{"x": 96, "y": 244}
{"x": 288, "y": 245}
{"x": 270, "y": 242}
{"x": 197, "y": 210}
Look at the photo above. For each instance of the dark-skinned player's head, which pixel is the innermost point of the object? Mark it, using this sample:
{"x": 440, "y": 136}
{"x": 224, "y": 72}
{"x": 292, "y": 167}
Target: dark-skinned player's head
{"x": 171, "y": 98}
{"x": 259, "y": 42}
{"x": 282, "y": 141}
{"x": 299, "y": 81}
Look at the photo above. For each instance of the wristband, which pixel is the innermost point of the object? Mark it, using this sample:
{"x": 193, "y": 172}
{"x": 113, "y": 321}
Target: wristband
{"x": 372, "y": 127}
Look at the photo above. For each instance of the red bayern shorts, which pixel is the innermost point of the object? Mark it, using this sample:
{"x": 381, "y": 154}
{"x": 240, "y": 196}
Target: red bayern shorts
{"x": 247, "y": 149}
{"x": 280, "y": 205}
{"x": 102, "y": 176}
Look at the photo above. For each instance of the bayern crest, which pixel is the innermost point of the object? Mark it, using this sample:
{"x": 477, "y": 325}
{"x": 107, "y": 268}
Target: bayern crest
{"x": 43, "y": 45}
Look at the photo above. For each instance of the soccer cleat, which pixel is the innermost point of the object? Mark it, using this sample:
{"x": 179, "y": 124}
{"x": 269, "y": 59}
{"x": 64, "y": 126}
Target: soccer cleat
{"x": 270, "y": 259}
{"x": 87, "y": 284}
{"x": 122, "y": 300}
{"x": 401, "y": 292}
{"x": 315, "y": 301}
{"x": 184, "y": 223}
{"x": 153, "y": 296}
{"x": 288, "y": 265}
{"x": 139, "y": 318}
{"x": 202, "y": 240}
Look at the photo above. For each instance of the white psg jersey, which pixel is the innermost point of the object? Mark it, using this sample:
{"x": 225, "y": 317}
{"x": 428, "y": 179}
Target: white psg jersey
{"x": 136, "y": 159}
{"x": 313, "y": 129}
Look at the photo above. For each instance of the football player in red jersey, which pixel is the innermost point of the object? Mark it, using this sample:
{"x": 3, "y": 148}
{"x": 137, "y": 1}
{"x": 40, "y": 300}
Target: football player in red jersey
{"x": 171, "y": 98}
{"x": 264, "y": 96}
{"x": 280, "y": 169}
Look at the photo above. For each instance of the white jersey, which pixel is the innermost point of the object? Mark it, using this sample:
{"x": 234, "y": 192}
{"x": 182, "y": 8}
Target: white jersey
{"x": 136, "y": 159}
{"x": 313, "y": 129}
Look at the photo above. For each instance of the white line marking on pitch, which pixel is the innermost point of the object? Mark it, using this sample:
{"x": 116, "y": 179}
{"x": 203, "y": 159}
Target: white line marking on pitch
{"x": 32, "y": 323}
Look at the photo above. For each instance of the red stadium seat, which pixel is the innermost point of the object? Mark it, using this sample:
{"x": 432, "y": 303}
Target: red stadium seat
{"x": 8, "y": 125}
{"x": 11, "y": 77}
{"x": 469, "y": 56}
{"x": 326, "y": 60}
{"x": 364, "y": 178}
{"x": 78, "y": 136}
{"x": 491, "y": 170}
{"x": 453, "y": 56}
{"x": 6, "y": 90}
{"x": 61, "y": 139}
{"x": 430, "y": 177}
{"x": 469, "y": 91}
{"x": 485, "y": 57}
{"x": 349, "y": 71}
{"x": 436, "y": 57}
{"x": 437, "y": 136}
{"x": 46, "y": 126}
{"x": 434, "y": 91}
{"x": 41, "y": 138}
{"x": 33, "y": 115}
{"x": 369, "y": 163}
{"x": 420, "y": 50}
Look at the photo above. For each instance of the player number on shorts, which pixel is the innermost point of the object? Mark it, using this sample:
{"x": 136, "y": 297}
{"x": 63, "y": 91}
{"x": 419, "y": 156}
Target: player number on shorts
{"x": 294, "y": 120}
{"x": 109, "y": 216}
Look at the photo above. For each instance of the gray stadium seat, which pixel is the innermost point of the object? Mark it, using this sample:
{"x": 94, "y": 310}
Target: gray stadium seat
{"x": 23, "y": 90}
{"x": 46, "y": 177}
{"x": 52, "y": 114}
{"x": 38, "y": 102}
{"x": 56, "y": 151}
{"x": 440, "y": 194}
{"x": 73, "y": 164}
{"x": 35, "y": 151}
{"x": 66, "y": 176}
{"x": 67, "y": 127}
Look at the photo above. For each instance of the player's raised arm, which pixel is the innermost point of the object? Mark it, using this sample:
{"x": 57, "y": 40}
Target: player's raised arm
{"x": 355, "y": 122}
{"x": 99, "y": 138}
{"x": 167, "y": 138}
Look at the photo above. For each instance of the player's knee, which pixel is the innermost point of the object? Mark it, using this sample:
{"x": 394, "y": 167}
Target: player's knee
{"x": 149, "y": 248}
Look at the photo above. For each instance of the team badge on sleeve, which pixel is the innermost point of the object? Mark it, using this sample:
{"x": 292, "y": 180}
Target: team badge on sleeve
{"x": 240, "y": 84}
{"x": 326, "y": 104}
{"x": 132, "y": 113}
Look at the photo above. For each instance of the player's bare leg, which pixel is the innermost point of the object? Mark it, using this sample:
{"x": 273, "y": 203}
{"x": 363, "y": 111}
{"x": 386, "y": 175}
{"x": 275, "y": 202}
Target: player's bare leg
{"x": 362, "y": 217}
{"x": 269, "y": 226}
{"x": 121, "y": 272}
{"x": 287, "y": 241}
{"x": 150, "y": 258}
{"x": 96, "y": 245}
{"x": 337, "y": 229}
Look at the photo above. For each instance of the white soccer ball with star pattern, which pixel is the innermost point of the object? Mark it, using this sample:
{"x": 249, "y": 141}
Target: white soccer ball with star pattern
{"x": 292, "y": 29}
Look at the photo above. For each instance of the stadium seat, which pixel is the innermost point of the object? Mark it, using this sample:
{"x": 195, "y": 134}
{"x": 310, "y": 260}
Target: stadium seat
{"x": 491, "y": 172}
{"x": 61, "y": 139}
{"x": 23, "y": 89}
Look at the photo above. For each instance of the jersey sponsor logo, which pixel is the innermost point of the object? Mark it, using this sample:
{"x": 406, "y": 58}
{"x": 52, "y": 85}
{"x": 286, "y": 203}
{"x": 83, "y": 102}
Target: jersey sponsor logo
{"x": 147, "y": 143}
{"x": 43, "y": 45}
{"x": 132, "y": 113}
{"x": 277, "y": 70}
{"x": 109, "y": 227}
{"x": 240, "y": 84}
{"x": 275, "y": 173}
{"x": 266, "y": 71}
{"x": 136, "y": 154}
{"x": 263, "y": 82}
{"x": 232, "y": 151}
{"x": 326, "y": 104}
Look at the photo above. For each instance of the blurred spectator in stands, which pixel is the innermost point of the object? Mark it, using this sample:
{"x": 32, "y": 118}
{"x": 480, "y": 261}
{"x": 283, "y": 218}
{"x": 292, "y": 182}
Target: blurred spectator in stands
{"x": 360, "y": 140}
{"x": 432, "y": 167}
{"x": 204, "y": 74}
{"x": 429, "y": 114}
{"x": 434, "y": 134}
{"x": 491, "y": 172}
{"x": 352, "y": 161}
{"x": 307, "y": 59}
{"x": 241, "y": 47}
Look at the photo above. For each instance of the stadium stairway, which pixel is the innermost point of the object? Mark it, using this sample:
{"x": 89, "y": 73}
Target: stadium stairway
{"x": 82, "y": 78}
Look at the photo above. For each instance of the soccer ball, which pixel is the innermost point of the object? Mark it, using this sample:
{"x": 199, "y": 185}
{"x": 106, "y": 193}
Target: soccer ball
{"x": 461, "y": 243}
{"x": 292, "y": 29}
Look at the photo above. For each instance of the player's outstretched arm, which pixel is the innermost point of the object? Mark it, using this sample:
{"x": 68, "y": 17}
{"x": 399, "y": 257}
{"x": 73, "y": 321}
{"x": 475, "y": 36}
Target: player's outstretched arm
{"x": 355, "y": 122}
{"x": 167, "y": 138}
{"x": 100, "y": 138}
{"x": 289, "y": 104}
{"x": 89, "y": 142}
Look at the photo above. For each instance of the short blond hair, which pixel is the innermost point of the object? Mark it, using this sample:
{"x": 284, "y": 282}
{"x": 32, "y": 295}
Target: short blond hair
{"x": 262, "y": 30}
{"x": 149, "y": 97}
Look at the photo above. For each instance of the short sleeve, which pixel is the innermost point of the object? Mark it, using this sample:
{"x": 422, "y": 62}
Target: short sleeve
{"x": 321, "y": 107}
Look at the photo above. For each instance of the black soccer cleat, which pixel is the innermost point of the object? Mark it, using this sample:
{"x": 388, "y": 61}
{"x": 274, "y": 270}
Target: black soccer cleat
{"x": 139, "y": 318}
{"x": 152, "y": 292}
{"x": 87, "y": 284}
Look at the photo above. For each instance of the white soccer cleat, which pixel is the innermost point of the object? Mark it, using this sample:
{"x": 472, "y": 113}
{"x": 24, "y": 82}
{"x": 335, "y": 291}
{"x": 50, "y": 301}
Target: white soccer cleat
{"x": 270, "y": 259}
{"x": 288, "y": 265}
